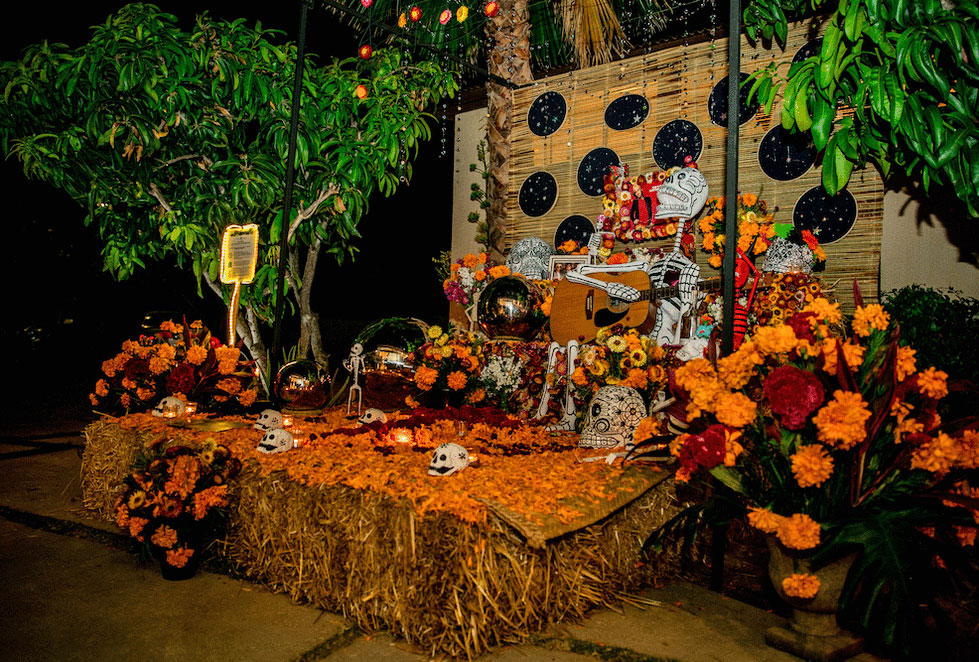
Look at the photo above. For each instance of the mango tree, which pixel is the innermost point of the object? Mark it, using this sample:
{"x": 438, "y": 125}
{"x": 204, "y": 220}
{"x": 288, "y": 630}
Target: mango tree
{"x": 165, "y": 136}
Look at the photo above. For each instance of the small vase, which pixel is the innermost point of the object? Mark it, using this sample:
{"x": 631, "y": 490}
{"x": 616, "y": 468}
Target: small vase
{"x": 812, "y": 631}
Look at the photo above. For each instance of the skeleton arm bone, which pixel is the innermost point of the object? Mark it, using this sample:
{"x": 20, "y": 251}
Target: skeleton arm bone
{"x": 615, "y": 290}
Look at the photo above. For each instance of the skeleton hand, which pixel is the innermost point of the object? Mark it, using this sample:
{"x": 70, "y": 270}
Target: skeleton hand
{"x": 622, "y": 292}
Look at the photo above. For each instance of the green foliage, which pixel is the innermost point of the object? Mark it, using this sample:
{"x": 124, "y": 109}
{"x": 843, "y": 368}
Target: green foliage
{"x": 165, "y": 136}
{"x": 909, "y": 71}
{"x": 485, "y": 235}
{"x": 940, "y": 325}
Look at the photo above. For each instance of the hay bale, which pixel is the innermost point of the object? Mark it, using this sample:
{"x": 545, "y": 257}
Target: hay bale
{"x": 107, "y": 458}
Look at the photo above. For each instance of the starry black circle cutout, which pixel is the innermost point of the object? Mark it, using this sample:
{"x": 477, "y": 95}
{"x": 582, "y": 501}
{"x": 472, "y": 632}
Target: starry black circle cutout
{"x": 830, "y": 218}
{"x": 593, "y": 168}
{"x": 575, "y": 228}
{"x": 547, "y": 113}
{"x": 538, "y": 193}
{"x": 785, "y": 155}
{"x": 676, "y": 141}
{"x": 626, "y": 112}
{"x": 809, "y": 49}
{"x": 717, "y": 102}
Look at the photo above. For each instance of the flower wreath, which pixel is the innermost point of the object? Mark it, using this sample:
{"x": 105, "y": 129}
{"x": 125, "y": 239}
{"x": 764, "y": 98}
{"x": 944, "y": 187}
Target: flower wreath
{"x": 629, "y": 206}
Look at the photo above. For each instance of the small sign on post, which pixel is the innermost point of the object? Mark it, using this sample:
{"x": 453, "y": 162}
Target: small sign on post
{"x": 239, "y": 254}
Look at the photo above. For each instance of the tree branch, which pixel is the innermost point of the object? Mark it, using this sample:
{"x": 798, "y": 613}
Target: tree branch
{"x": 158, "y": 194}
{"x": 308, "y": 211}
{"x": 170, "y": 162}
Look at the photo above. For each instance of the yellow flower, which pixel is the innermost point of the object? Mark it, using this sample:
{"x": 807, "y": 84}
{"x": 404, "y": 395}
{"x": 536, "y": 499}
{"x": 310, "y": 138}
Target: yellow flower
{"x": 870, "y": 318}
{"x": 799, "y": 532}
{"x": 826, "y": 312}
{"x": 434, "y": 332}
{"x": 617, "y": 344}
{"x": 802, "y": 585}
{"x": 811, "y": 465}
{"x": 402, "y": 20}
{"x": 842, "y": 421}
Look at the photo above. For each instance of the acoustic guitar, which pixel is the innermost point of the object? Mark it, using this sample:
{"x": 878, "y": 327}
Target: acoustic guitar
{"x": 578, "y": 311}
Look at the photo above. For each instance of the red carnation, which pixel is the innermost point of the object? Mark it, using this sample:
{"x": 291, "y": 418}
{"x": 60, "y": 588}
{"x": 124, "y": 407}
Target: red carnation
{"x": 181, "y": 379}
{"x": 794, "y": 394}
{"x": 800, "y": 323}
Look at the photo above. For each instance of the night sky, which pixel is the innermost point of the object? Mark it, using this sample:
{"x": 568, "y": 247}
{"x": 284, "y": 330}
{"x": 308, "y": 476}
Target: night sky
{"x": 64, "y": 315}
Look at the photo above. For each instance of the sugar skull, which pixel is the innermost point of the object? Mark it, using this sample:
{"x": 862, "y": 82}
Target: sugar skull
{"x": 447, "y": 459}
{"x": 613, "y": 415}
{"x": 170, "y": 407}
{"x": 276, "y": 441}
{"x": 682, "y": 194}
{"x": 530, "y": 257}
{"x": 373, "y": 416}
{"x": 269, "y": 419}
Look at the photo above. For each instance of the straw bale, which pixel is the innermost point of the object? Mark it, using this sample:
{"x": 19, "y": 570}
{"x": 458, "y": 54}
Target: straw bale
{"x": 107, "y": 458}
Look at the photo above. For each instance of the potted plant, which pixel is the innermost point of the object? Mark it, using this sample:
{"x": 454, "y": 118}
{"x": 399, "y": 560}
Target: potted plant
{"x": 826, "y": 436}
{"x": 174, "y": 501}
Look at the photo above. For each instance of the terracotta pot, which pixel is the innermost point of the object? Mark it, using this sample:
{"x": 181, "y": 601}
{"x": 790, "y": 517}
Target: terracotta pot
{"x": 812, "y": 631}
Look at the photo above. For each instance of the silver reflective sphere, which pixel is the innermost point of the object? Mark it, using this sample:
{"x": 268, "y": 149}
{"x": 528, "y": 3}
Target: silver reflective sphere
{"x": 302, "y": 384}
{"x": 509, "y": 309}
{"x": 389, "y": 344}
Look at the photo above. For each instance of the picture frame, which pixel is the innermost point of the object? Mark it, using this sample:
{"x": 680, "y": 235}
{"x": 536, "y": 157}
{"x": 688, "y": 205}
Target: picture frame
{"x": 562, "y": 264}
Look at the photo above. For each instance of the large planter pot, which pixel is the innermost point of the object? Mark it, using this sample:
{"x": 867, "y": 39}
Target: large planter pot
{"x": 812, "y": 631}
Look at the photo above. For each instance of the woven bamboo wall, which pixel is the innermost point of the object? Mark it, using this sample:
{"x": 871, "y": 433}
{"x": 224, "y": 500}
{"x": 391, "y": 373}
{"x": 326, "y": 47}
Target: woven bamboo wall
{"x": 677, "y": 84}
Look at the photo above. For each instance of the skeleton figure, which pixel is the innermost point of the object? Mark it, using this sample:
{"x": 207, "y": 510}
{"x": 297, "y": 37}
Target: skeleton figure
{"x": 447, "y": 459}
{"x": 530, "y": 257}
{"x": 269, "y": 419}
{"x": 354, "y": 364}
{"x": 170, "y": 407}
{"x": 568, "y": 409}
{"x": 373, "y": 416}
{"x": 614, "y": 413}
{"x": 276, "y": 441}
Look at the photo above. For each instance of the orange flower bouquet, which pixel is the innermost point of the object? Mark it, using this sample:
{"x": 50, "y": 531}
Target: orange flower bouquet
{"x": 450, "y": 364}
{"x": 828, "y": 436}
{"x": 174, "y": 502}
{"x": 755, "y": 227}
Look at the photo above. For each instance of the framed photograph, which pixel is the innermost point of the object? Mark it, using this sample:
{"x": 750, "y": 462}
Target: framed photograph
{"x": 562, "y": 264}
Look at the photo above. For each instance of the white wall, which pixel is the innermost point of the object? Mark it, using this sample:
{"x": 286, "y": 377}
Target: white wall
{"x": 470, "y": 128}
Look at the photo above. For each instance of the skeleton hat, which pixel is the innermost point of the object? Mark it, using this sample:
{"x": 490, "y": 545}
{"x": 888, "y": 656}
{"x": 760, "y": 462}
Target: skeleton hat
{"x": 682, "y": 194}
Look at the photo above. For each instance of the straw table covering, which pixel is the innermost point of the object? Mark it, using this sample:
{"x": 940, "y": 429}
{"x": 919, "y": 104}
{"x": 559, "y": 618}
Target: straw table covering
{"x": 527, "y": 535}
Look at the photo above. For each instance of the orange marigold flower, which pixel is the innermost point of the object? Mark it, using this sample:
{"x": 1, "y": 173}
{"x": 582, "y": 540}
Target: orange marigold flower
{"x": 247, "y": 398}
{"x": 774, "y": 339}
{"x": 749, "y": 199}
{"x": 801, "y": 585}
{"x": 425, "y": 377}
{"x": 799, "y": 532}
{"x": 499, "y": 271}
{"x": 93, "y": 399}
{"x": 178, "y": 558}
{"x": 764, "y": 520}
{"x": 938, "y": 455}
{"x": 735, "y": 409}
{"x": 969, "y": 452}
{"x": 457, "y": 380}
{"x": 933, "y": 383}
{"x": 812, "y": 465}
{"x": 869, "y": 318}
{"x": 136, "y": 525}
{"x": 159, "y": 365}
{"x": 904, "y": 363}
{"x": 230, "y": 385}
{"x": 102, "y": 387}
{"x": 826, "y": 312}
{"x": 196, "y": 354}
{"x": 164, "y": 537}
{"x": 842, "y": 421}
{"x": 966, "y": 535}
{"x": 214, "y": 496}
{"x": 145, "y": 394}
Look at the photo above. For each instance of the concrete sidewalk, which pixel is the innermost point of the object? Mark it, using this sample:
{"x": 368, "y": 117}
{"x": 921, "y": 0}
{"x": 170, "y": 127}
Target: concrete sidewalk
{"x": 72, "y": 591}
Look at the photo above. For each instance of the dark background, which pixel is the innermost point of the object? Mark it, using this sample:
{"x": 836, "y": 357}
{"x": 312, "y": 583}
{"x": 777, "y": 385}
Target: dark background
{"x": 64, "y": 315}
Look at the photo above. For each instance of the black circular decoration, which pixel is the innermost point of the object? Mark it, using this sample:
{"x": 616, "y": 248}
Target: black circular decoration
{"x": 538, "y": 194}
{"x": 829, "y": 218}
{"x": 576, "y": 228}
{"x": 626, "y": 112}
{"x": 717, "y": 102}
{"x": 676, "y": 141}
{"x": 547, "y": 113}
{"x": 808, "y": 50}
{"x": 785, "y": 155}
{"x": 593, "y": 168}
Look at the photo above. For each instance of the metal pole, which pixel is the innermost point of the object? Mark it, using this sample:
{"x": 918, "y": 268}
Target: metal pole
{"x": 731, "y": 176}
{"x": 287, "y": 203}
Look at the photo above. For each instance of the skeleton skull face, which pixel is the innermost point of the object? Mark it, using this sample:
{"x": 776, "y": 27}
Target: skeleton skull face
{"x": 373, "y": 416}
{"x": 448, "y": 459}
{"x": 613, "y": 415}
{"x": 275, "y": 441}
{"x": 269, "y": 419}
{"x": 530, "y": 257}
{"x": 783, "y": 256}
{"x": 170, "y": 407}
{"x": 682, "y": 194}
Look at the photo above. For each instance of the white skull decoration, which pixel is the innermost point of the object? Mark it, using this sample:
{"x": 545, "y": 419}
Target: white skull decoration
{"x": 682, "y": 194}
{"x": 373, "y": 416}
{"x": 275, "y": 441}
{"x": 613, "y": 415}
{"x": 170, "y": 407}
{"x": 447, "y": 459}
{"x": 530, "y": 257}
{"x": 783, "y": 257}
{"x": 269, "y": 419}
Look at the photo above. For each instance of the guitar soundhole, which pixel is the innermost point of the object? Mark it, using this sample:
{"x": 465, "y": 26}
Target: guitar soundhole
{"x": 606, "y": 317}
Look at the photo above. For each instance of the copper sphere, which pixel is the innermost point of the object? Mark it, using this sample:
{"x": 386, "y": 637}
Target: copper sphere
{"x": 302, "y": 385}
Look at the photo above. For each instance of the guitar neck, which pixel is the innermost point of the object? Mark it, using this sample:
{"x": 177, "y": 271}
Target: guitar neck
{"x": 669, "y": 291}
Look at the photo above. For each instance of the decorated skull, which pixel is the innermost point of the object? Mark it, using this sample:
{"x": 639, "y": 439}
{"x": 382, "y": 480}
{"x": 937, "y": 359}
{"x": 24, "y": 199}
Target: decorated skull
{"x": 682, "y": 194}
{"x": 373, "y": 416}
{"x": 269, "y": 419}
{"x": 530, "y": 257}
{"x": 170, "y": 407}
{"x": 613, "y": 415}
{"x": 447, "y": 459}
{"x": 784, "y": 256}
{"x": 275, "y": 441}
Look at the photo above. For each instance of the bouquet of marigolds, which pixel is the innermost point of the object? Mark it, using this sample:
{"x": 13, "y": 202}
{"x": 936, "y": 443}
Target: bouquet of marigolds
{"x": 755, "y": 227}
{"x": 182, "y": 360}
{"x": 828, "y": 435}
{"x": 175, "y": 498}
{"x": 451, "y": 363}
{"x": 469, "y": 276}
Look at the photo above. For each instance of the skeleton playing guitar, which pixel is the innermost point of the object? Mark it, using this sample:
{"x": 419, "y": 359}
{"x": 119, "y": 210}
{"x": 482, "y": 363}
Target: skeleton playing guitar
{"x": 578, "y": 311}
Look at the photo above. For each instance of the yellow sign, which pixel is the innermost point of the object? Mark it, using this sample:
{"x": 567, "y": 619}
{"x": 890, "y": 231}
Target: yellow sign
{"x": 239, "y": 253}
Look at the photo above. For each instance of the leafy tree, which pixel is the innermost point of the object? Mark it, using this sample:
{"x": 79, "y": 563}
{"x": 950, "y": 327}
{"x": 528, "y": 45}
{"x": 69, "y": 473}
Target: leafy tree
{"x": 166, "y": 136}
{"x": 894, "y": 84}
